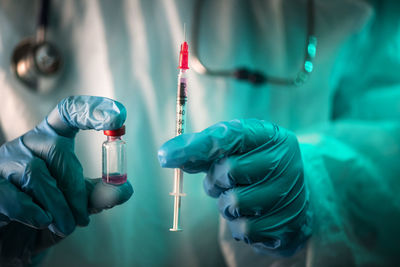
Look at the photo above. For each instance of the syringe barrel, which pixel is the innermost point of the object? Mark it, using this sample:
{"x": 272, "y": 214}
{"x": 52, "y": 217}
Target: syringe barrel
{"x": 178, "y": 187}
{"x": 178, "y": 182}
{"x": 181, "y": 100}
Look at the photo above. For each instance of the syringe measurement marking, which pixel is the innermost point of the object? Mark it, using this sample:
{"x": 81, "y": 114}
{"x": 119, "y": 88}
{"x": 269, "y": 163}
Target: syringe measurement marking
{"x": 180, "y": 119}
{"x": 181, "y": 107}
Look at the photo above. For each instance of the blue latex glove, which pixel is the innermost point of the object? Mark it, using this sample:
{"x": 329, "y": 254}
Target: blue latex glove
{"x": 43, "y": 194}
{"x": 255, "y": 170}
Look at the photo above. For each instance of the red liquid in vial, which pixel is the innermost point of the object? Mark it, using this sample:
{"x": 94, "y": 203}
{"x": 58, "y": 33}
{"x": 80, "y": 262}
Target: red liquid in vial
{"x": 115, "y": 178}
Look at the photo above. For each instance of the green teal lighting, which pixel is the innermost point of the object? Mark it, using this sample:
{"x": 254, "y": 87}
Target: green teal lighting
{"x": 301, "y": 78}
{"x": 311, "y": 49}
{"x": 308, "y": 66}
{"x": 312, "y": 46}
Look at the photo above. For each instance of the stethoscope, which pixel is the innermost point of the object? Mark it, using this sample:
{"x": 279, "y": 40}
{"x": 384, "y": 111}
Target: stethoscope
{"x": 36, "y": 59}
{"x": 257, "y": 77}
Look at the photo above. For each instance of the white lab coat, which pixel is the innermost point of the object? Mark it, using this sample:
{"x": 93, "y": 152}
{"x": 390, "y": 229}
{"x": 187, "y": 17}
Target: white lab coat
{"x": 127, "y": 50}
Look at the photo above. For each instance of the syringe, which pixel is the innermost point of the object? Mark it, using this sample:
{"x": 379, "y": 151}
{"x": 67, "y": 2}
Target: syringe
{"x": 181, "y": 99}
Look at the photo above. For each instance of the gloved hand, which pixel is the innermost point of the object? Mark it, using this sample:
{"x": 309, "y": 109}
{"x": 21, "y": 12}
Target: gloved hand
{"x": 255, "y": 170}
{"x": 43, "y": 194}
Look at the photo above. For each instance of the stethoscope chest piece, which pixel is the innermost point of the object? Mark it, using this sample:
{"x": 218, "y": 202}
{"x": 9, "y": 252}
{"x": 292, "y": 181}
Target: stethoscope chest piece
{"x": 34, "y": 63}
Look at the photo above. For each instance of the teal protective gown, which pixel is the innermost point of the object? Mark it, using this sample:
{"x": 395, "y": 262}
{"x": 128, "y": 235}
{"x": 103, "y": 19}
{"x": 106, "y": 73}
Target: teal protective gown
{"x": 346, "y": 117}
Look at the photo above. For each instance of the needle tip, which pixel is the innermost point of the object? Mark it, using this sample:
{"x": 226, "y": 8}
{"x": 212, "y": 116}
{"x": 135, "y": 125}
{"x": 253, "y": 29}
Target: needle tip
{"x": 184, "y": 31}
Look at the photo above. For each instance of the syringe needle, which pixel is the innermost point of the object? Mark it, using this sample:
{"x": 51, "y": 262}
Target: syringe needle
{"x": 184, "y": 32}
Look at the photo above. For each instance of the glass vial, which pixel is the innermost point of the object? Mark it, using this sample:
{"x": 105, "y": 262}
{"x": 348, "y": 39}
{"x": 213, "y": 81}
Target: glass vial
{"x": 114, "y": 157}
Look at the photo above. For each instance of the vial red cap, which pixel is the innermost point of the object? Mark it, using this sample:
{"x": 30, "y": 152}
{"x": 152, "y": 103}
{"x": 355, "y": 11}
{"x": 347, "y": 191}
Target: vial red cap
{"x": 116, "y": 132}
{"x": 184, "y": 56}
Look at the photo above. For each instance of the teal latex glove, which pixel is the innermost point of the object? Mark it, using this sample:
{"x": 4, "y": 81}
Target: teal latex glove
{"x": 43, "y": 194}
{"x": 255, "y": 170}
